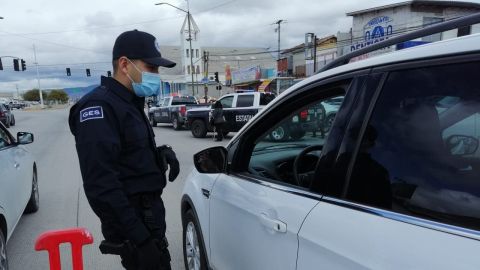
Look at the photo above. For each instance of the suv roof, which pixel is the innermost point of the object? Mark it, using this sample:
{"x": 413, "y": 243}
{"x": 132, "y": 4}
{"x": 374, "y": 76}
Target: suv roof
{"x": 453, "y": 46}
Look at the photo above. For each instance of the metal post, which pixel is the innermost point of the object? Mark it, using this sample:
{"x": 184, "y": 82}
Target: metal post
{"x": 314, "y": 54}
{"x": 192, "y": 69}
{"x": 38, "y": 78}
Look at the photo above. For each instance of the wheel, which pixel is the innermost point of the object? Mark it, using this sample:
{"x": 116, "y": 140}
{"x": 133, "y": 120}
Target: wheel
{"x": 225, "y": 133}
{"x": 175, "y": 123}
{"x": 12, "y": 121}
{"x": 3, "y": 252}
{"x": 279, "y": 134}
{"x": 193, "y": 251}
{"x": 152, "y": 120}
{"x": 34, "y": 202}
{"x": 7, "y": 124}
{"x": 199, "y": 129}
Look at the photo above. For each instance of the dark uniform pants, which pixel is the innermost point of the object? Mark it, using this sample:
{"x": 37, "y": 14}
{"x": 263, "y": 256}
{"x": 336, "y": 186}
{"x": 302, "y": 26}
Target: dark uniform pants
{"x": 152, "y": 206}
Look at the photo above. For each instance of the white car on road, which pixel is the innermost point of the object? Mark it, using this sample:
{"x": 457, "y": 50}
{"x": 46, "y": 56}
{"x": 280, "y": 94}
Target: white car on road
{"x": 18, "y": 185}
{"x": 394, "y": 185}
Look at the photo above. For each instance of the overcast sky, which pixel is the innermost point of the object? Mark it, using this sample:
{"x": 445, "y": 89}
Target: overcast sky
{"x": 70, "y": 33}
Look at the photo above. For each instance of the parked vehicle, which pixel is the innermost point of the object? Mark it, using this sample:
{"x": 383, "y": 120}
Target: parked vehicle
{"x": 18, "y": 185}
{"x": 172, "y": 110}
{"x": 238, "y": 109}
{"x": 6, "y": 115}
{"x": 395, "y": 180}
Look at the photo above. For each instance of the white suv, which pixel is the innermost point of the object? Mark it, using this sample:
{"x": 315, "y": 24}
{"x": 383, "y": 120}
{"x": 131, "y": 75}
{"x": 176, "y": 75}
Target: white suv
{"x": 394, "y": 184}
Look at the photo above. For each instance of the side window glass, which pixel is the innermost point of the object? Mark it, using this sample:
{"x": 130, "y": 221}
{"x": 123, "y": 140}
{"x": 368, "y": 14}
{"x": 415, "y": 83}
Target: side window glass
{"x": 289, "y": 151}
{"x": 245, "y": 101}
{"x": 266, "y": 98}
{"x": 5, "y": 140}
{"x": 419, "y": 153}
{"x": 227, "y": 102}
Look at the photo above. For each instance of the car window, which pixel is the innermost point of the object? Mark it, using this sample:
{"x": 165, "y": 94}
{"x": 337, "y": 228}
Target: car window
{"x": 5, "y": 139}
{"x": 166, "y": 102}
{"x": 227, "y": 102}
{"x": 187, "y": 100}
{"x": 419, "y": 152}
{"x": 275, "y": 152}
{"x": 245, "y": 101}
{"x": 266, "y": 98}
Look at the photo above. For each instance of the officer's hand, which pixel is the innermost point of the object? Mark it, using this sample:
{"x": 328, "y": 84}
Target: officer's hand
{"x": 169, "y": 158}
{"x": 149, "y": 256}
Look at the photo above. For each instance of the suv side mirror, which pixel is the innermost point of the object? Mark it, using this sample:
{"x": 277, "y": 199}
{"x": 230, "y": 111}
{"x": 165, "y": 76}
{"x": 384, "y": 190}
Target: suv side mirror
{"x": 24, "y": 138}
{"x": 462, "y": 145}
{"x": 211, "y": 160}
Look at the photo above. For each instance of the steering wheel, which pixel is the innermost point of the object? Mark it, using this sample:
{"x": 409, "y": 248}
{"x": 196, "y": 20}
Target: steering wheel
{"x": 301, "y": 178}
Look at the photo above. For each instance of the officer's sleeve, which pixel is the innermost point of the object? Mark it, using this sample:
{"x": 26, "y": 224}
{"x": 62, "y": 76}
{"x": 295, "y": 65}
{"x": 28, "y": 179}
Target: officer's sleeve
{"x": 98, "y": 146}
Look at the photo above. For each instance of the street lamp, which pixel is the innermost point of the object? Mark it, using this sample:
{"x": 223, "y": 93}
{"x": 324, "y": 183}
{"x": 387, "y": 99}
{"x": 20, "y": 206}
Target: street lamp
{"x": 189, "y": 37}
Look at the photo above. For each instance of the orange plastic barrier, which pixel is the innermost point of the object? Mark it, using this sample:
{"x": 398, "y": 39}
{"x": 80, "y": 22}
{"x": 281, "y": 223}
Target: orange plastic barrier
{"x": 51, "y": 240}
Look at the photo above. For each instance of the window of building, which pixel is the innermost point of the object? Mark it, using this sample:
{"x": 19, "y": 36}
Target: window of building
{"x": 198, "y": 69}
{"x": 419, "y": 154}
{"x": 196, "y": 51}
{"x": 427, "y": 21}
{"x": 188, "y": 69}
{"x": 187, "y": 51}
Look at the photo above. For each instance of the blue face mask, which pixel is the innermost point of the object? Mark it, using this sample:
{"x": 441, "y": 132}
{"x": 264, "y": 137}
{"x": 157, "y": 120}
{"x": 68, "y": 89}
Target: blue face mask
{"x": 149, "y": 86}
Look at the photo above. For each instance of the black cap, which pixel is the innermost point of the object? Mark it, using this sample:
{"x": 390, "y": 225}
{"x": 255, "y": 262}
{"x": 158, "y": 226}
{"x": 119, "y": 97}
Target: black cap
{"x": 138, "y": 45}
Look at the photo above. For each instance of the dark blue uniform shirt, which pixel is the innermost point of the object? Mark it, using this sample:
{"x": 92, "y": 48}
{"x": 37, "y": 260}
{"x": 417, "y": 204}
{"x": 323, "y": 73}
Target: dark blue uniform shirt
{"x": 117, "y": 153}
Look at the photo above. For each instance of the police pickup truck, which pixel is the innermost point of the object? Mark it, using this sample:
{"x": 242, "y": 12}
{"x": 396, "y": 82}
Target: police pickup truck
{"x": 172, "y": 110}
{"x": 238, "y": 109}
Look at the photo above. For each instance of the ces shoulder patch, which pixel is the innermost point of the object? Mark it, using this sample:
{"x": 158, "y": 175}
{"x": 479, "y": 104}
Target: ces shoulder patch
{"x": 91, "y": 113}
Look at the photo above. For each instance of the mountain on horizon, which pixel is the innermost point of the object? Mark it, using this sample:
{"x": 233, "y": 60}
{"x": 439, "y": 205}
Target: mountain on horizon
{"x": 76, "y": 93}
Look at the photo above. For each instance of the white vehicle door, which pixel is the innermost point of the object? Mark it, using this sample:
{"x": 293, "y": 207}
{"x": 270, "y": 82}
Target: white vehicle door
{"x": 412, "y": 193}
{"x": 257, "y": 212}
{"x": 11, "y": 183}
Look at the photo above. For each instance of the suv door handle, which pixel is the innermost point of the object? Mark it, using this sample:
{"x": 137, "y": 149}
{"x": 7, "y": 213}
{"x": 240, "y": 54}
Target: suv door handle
{"x": 16, "y": 165}
{"x": 273, "y": 224}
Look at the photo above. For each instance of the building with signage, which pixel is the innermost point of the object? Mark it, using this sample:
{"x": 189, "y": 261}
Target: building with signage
{"x": 377, "y": 24}
{"x": 224, "y": 60}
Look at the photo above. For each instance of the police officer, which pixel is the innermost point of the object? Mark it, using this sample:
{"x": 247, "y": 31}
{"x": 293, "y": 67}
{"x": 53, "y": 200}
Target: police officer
{"x": 123, "y": 170}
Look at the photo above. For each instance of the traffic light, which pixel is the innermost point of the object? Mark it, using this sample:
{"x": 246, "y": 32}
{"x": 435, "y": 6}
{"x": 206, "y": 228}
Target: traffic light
{"x": 69, "y": 73}
{"x": 88, "y": 72}
{"x": 15, "y": 65}
{"x": 109, "y": 73}
{"x": 216, "y": 77}
{"x": 1, "y": 65}
{"x": 24, "y": 65}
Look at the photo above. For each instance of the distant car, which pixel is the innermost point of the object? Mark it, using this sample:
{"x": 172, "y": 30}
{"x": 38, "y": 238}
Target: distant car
{"x": 172, "y": 110}
{"x": 18, "y": 185}
{"x": 6, "y": 115}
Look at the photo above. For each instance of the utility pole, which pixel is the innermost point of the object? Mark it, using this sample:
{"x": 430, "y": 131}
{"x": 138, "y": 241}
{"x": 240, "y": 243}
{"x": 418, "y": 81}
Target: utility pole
{"x": 192, "y": 69}
{"x": 279, "y": 23}
{"x": 38, "y": 77}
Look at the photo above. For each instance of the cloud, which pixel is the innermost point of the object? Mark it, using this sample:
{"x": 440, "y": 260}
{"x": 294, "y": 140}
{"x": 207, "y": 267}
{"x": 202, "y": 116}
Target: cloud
{"x": 67, "y": 33}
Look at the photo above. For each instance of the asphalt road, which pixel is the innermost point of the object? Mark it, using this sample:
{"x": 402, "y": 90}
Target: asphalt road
{"x": 63, "y": 203}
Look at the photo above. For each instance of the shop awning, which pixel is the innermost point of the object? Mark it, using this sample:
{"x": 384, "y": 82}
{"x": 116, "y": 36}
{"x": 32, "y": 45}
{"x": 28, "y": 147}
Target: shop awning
{"x": 264, "y": 85}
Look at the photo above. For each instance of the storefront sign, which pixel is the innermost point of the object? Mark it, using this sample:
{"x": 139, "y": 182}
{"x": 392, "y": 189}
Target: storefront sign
{"x": 376, "y": 30}
{"x": 245, "y": 75}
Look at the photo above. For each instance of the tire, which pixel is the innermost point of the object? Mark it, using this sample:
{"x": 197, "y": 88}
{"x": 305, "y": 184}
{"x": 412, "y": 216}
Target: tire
{"x": 280, "y": 134}
{"x": 152, "y": 120}
{"x": 199, "y": 129}
{"x": 193, "y": 245}
{"x": 176, "y": 124}
{"x": 7, "y": 124}
{"x": 34, "y": 202}
{"x": 12, "y": 121}
{"x": 225, "y": 133}
{"x": 3, "y": 251}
